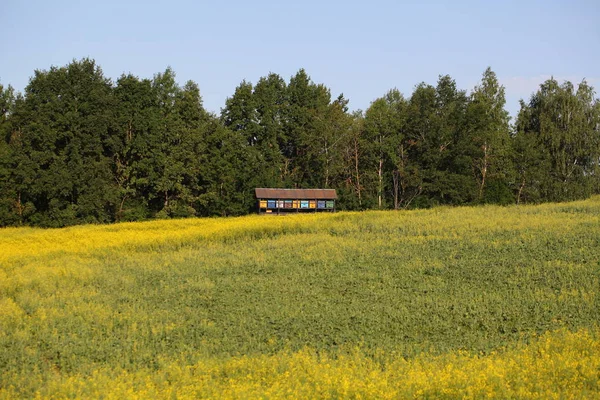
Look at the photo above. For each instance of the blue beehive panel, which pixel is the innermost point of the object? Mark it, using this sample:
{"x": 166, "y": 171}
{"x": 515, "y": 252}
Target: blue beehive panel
{"x": 321, "y": 204}
{"x": 272, "y": 204}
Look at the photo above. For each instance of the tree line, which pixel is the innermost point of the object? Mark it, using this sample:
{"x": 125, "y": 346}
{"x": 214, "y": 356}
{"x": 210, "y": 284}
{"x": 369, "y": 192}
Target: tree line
{"x": 79, "y": 148}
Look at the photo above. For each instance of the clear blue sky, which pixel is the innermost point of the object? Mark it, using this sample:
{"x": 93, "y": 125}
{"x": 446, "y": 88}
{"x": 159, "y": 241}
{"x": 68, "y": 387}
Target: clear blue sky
{"x": 360, "y": 48}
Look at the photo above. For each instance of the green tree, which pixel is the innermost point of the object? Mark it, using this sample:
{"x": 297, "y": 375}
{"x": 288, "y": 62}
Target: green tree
{"x": 61, "y": 134}
{"x": 270, "y": 99}
{"x": 191, "y": 144}
{"x": 384, "y": 127}
{"x": 255, "y": 113}
{"x": 351, "y": 187}
{"x": 179, "y": 140}
{"x": 224, "y": 182}
{"x": 240, "y": 114}
{"x": 488, "y": 140}
{"x": 436, "y": 133}
{"x": 136, "y": 116}
{"x": 420, "y": 126}
{"x": 531, "y": 161}
{"x": 332, "y": 128}
{"x": 563, "y": 123}
{"x": 314, "y": 127}
{"x": 452, "y": 182}
{"x": 297, "y": 126}
{"x": 11, "y": 209}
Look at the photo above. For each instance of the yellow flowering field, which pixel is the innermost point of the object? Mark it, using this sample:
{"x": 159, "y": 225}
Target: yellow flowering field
{"x": 557, "y": 365}
{"x": 471, "y": 302}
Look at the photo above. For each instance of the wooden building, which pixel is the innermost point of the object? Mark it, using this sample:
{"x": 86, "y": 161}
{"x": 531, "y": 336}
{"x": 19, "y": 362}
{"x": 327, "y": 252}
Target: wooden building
{"x": 278, "y": 201}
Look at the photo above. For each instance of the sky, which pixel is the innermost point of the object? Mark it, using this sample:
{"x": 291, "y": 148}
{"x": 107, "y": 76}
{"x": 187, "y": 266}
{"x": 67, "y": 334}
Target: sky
{"x": 358, "y": 48}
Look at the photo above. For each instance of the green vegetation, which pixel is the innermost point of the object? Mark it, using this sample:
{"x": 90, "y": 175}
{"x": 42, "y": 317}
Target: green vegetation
{"x": 144, "y": 298}
{"x": 78, "y": 148}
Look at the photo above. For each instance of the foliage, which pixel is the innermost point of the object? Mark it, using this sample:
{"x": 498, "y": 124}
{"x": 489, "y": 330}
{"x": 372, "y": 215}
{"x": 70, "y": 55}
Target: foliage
{"x": 78, "y": 148}
{"x": 472, "y": 301}
{"x": 560, "y": 130}
{"x": 557, "y": 365}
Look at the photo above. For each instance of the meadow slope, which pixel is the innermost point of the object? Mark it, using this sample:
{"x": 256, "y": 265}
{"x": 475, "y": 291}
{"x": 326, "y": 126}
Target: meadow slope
{"x": 473, "y": 301}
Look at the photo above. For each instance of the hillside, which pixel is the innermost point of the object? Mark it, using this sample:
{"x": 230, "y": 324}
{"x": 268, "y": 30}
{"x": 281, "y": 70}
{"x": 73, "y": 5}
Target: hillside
{"x": 473, "y": 301}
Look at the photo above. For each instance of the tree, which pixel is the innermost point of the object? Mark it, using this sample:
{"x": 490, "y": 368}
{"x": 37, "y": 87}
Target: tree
{"x": 270, "y": 100}
{"x": 240, "y": 114}
{"x": 452, "y": 181}
{"x": 563, "y": 123}
{"x": 530, "y": 160}
{"x": 384, "y": 127}
{"x": 136, "y": 116}
{"x": 224, "y": 180}
{"x": 488, "y": 140}
{"x": 11, "y": 209}
{"x": 352, "y": 148}
{"x": 333, "y": 127}
{"x": 420, "y": 126}
{"x": 305, "y": 101}
{"x": 61, "y": 130}
{"x": 179, "y": 141}
{"x": 436, "y": 133}
{"x": 257, "y": 115}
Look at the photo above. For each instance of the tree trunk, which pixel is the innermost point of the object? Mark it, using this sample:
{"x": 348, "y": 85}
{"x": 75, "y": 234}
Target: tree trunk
{"x": 357, "y": 171}
{"x": 380, "y": 187}
{"x": 396, "y": 188}
{"x": 120, "y": 212}
{"x": 326, "y": 165}
{"x": 130, "y": 132}
{"x": 20, "y": 208}
{"x": 484, "y": 168}
{"x": 521, "y": 187}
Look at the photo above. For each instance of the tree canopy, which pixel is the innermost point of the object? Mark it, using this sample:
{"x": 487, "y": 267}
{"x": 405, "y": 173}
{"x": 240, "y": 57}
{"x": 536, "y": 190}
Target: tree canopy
{"x": 77, "y": 147}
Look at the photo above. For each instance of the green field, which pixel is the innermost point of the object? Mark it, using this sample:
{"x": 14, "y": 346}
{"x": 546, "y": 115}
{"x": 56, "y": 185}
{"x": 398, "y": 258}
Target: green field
{"x": 199, "y": 307}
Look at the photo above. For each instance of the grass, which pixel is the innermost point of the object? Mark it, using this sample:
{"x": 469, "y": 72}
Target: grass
{"x": 307, "y": 305}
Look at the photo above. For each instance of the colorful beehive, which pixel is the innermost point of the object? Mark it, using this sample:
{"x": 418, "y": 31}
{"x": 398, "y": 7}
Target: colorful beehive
{"x": 295, "y": 200}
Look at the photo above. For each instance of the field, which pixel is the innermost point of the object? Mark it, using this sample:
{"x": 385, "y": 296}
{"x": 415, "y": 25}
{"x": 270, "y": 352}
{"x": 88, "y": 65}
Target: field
{"x": 449, "y": 302}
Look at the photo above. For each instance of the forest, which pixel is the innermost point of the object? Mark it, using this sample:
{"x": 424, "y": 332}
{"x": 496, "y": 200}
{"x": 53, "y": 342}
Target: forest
{"x": 79, "y": 148}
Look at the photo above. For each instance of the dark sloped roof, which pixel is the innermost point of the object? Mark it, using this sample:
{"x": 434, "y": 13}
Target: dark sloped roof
{"x": 313, "y": 194}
